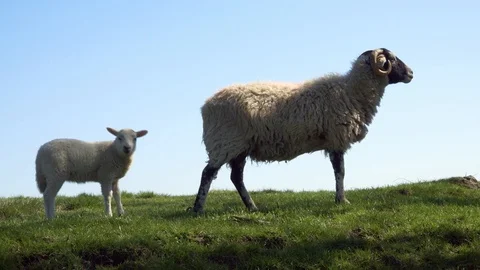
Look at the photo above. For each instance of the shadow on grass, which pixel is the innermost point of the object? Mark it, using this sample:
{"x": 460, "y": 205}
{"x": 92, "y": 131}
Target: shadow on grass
{"x": 441, "y": 248}
{"x": 94, "y": 256}
{"x": 396, "y": 252}
{"x": 449, "y": 200}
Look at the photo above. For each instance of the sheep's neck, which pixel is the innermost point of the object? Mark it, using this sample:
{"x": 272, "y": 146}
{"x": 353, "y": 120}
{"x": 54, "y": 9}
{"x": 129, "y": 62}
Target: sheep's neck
{"x": 120, "y": 162}
{"x": 366, "y": 92}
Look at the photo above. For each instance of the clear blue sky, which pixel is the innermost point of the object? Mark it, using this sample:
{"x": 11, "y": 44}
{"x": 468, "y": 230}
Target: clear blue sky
{"x": 72, "y": 68}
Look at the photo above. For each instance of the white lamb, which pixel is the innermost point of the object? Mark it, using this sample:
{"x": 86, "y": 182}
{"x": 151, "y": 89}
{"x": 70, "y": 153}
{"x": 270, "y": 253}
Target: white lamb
{"x": 78, "y": 161}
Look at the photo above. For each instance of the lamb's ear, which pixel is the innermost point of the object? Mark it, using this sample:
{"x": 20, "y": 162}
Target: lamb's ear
{"x": 141, "y": 133}
{"x": 113, "y": 131}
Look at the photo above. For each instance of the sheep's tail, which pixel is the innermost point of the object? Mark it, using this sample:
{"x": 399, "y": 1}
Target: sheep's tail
{"x": 40, "y": 178}
{"x": 41, "y": 182}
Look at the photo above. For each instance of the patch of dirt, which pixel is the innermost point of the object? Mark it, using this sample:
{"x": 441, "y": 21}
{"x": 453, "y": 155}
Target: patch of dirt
{"x": 111, "y": 257}
{"x": 269, "y": 242}
{"x": 48, "y": 239}
{"x": 359, "y": 233}
{"x": 457, "y": 237}
{"x": 231, "y": 261}
{"x": 200, "y": 238}
{"x": 34, "y": 259}
{"x": 405, "y": 192}
{"x": 391, "y": 260}
{"x": 467, "y": 181}
{"x": 67, "y": 207}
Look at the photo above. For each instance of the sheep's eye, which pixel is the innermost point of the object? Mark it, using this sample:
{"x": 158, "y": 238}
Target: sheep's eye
{"x": 120, "y": 138}
{"x": 134, "y": 139}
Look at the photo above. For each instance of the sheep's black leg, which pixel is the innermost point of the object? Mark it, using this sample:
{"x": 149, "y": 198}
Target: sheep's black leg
{"x": 338, "y": 164}
{"x": 209, "y": 173}
{"x": 238, "y": 164}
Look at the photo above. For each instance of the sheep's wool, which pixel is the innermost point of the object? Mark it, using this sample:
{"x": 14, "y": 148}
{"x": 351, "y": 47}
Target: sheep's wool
{"x": 79, "y": 161}
{"x": 272, "y": 121}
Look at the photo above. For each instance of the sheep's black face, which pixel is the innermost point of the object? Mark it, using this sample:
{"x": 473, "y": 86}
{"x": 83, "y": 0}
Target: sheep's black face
{"x": 400, "y": 72}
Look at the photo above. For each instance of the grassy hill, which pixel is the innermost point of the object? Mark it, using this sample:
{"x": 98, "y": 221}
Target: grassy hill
{"x": 423, "y": 225}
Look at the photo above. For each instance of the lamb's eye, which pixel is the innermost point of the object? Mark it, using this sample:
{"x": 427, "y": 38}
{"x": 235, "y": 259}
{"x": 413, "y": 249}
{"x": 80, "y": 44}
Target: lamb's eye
{"x": 120, "y": 138}
{"x": 134, "y": 139}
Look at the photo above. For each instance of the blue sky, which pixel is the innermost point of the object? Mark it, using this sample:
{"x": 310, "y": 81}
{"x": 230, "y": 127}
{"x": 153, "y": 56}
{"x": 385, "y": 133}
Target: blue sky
{"x": 72, "y": 68}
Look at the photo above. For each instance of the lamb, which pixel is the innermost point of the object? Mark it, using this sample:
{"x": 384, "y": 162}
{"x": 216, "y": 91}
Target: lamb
{"x": 274, "y": 121}
{"x": 105, "y": 162}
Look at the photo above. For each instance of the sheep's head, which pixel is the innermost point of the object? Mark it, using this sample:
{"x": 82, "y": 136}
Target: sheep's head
{"x": 385, "y": 63}
{"x": 126, "y": 140}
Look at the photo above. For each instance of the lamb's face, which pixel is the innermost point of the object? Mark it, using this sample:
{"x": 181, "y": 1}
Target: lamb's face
{"x": 385, "y": 63}
{"x": 126, "y": 140}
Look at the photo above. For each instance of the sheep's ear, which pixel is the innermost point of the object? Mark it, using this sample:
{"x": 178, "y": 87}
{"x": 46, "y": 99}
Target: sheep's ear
{"x": 113, "y": 131}
{"x": 141, "y": 133}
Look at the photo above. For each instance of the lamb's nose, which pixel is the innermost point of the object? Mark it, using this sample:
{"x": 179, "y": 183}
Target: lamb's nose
{"x": 127, "y": 149}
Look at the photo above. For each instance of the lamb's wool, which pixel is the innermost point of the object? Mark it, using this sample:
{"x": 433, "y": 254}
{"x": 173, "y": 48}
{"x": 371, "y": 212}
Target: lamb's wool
{"x": 73, "y": 160}
{"x": 80, "y": 161}
{"x": 274, "y": 121}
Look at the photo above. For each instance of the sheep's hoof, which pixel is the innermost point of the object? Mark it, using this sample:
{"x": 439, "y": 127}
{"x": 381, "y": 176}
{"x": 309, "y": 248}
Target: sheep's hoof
{"x": 342, "y": 201}
{"x": 195, "y": 211}
{"x": 253, "y": 209}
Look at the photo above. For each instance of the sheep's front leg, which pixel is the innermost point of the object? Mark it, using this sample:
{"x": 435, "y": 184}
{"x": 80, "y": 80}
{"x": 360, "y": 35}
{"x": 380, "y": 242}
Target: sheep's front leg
{"x": 107, "y": 196}
{"x": 118, "y": 198}
{"x": 209, "y": 173}
{"x": 338, "y": 164}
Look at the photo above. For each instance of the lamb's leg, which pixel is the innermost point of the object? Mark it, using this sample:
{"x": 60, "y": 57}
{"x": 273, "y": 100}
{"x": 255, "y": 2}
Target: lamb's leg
{"x": 51, "y": 191}
{"x": 118, "y": 198}
{"x": 337, "y": 159}
{"x": 107, "y": 196}
{"x": 209, "y": 173}
{"x": 238, "y": 164}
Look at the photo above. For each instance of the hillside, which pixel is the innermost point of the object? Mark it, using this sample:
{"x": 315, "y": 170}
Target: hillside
{"x": 433, "y": 224}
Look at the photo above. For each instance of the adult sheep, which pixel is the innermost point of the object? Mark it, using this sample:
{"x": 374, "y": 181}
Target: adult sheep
{"x": 105, "y": 162}
{"x": 272, "y": 121}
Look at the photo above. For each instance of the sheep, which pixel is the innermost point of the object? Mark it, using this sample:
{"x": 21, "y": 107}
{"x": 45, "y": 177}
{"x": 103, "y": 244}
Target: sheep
{"x": 275, "y": 121}
{"x": 72, "y": 160}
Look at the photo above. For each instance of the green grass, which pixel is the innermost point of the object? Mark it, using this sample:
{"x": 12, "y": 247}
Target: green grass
{"x": 427, "y": 225}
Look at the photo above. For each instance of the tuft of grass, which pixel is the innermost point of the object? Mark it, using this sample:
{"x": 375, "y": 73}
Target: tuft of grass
{"x": 426, "y": 225}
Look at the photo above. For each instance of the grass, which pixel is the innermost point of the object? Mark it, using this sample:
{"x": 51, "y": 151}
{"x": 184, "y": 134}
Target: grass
{"x": 425, "y": 225}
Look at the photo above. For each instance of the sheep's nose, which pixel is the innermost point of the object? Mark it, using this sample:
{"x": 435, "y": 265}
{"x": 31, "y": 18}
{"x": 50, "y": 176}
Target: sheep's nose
{"x": 127, "y": 149}
{"x": 410, "y": 73}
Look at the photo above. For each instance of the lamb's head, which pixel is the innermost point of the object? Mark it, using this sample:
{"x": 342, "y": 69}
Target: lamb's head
{"x": 126, "y": 140}
{"x": 385, "y": 63}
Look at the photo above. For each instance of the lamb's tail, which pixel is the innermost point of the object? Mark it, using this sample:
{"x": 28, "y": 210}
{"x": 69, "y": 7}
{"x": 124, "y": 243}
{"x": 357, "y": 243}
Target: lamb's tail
{"x": 41, "y": 179}
{"x": 41, "y": 182}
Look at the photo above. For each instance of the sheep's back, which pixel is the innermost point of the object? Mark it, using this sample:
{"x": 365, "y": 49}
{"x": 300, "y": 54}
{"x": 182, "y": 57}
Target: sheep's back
{"x": 279, "y": 121}
{"x": 70, "y": 159}
{"x": 263, "y": 119}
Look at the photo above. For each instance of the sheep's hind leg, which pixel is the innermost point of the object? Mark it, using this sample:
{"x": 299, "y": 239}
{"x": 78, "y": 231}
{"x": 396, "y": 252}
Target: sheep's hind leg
{"x": 209, "y": 173}
{"x": 51, "y": 191}
{"x": 238, "y": 164}
{"x": 338, "y": 164}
